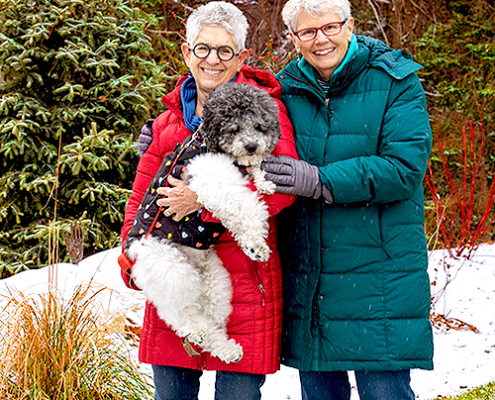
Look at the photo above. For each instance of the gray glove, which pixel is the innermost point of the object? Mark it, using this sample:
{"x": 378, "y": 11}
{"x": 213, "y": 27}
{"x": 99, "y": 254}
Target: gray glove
{"x": 146, "y": 137}
{"x": 293, "y": 176}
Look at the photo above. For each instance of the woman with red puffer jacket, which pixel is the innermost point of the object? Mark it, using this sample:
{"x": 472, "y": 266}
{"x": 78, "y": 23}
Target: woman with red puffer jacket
{"x": 256, "y": 320}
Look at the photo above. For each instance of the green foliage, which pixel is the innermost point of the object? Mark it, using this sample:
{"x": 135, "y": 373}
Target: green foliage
{"x": 78, "y": 81}
{"x": 458, "y": 58}
{"x": 485, "y": 392}
{"x": 167, "y": 33}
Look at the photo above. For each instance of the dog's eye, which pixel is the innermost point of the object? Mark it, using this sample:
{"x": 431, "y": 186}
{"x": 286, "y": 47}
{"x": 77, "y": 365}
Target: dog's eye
{"x": 262, "y": 128}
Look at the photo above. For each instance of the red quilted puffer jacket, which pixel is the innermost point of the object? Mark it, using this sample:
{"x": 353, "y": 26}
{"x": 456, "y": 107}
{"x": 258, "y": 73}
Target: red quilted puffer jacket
{"x": 256, "y": 319}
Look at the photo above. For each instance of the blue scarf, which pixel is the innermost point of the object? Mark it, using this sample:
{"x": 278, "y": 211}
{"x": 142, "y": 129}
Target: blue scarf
{"x": 188, "y": 95}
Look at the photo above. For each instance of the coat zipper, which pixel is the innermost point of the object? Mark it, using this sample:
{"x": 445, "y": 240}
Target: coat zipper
{"x": 259, "y": 283}
{"x": 317, "y": 89}
{"x": 314, "y": 311}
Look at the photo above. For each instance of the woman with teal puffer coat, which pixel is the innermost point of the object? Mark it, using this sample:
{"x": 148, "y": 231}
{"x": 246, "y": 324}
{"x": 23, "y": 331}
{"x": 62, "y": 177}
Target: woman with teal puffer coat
{"x": 353, "y": 246}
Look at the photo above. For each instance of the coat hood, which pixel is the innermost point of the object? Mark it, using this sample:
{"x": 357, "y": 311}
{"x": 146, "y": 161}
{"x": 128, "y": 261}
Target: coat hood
{"x": 397, "y": 63}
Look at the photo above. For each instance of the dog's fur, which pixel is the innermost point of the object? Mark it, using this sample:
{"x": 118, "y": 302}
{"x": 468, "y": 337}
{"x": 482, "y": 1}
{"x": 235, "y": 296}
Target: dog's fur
{"x": 190, "y": 288}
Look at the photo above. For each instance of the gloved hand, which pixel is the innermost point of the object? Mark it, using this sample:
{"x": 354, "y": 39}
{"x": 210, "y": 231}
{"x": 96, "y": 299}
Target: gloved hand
{"x": 293, "y": 176}
{"x": 146, "y": 137}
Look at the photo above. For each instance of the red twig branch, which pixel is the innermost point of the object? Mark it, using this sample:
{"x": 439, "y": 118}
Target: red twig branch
{"x": 463, "y": 224}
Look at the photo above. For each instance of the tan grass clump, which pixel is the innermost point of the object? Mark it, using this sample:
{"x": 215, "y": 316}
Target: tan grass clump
{"x": 56, "y": 349}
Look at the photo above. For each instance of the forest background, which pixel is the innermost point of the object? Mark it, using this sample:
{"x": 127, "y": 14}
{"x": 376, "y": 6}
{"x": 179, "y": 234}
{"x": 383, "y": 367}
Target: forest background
{"x": 79, "y": 78}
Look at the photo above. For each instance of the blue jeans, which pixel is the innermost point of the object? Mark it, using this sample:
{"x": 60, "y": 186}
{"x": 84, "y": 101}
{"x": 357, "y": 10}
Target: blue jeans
{"x": 175, "y": 383}
{"x": 387, "y": 385}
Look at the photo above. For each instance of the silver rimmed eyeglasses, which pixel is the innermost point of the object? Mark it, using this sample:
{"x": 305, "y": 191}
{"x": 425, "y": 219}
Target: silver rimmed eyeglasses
{"x": 331, "y": 29}
{"x": 224, "y": 53}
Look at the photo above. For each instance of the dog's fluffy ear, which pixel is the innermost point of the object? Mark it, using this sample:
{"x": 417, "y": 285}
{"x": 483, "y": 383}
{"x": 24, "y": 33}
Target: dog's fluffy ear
{"x": 214, "y": 121}
{"x": 229, "y": 103}
{"x": 274, "y": 125}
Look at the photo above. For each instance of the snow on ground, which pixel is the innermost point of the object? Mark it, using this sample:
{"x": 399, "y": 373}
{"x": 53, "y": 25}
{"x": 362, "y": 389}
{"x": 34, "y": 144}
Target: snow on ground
{"x": 463, "y": 358}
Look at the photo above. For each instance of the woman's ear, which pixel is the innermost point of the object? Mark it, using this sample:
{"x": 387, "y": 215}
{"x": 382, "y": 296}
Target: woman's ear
{"x": 294, "y": 40}
{"x": 242, "y": 56}
{"x": 186, "y": 53}
{"x": 350, "y": 25}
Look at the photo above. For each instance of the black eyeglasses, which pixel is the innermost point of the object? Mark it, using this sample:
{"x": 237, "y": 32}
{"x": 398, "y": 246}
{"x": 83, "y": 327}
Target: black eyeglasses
{"x": 331, "y": 29}
{"x": 224, "y": 53}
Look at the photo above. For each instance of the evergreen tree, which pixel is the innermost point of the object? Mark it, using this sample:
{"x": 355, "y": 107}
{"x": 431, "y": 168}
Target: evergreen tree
{"x": 78, "y": 80}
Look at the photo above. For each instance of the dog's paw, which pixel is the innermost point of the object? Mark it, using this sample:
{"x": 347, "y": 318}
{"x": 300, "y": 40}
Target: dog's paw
{"x": 229, "y": 352}
{"x": 196, "y": 337}
{"x": 258, "y": 252}
{"x": 265, "y": 187}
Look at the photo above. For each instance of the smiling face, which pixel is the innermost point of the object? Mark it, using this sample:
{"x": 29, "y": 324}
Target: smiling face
{"x": 324, "y": 53}
{"x": 211, "y": 72}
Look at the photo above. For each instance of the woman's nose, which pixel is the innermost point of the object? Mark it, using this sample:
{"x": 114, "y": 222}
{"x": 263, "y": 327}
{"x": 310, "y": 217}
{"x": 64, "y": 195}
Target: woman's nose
{"x": 320, "y": 37}
{"x": 213, "y": 57}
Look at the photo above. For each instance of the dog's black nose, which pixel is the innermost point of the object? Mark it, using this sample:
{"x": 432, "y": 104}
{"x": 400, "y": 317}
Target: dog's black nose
{"x": 251, "y": 147}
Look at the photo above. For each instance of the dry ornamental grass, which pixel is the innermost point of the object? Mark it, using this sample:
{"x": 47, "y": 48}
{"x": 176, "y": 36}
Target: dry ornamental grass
{"x": 54, "y": 349}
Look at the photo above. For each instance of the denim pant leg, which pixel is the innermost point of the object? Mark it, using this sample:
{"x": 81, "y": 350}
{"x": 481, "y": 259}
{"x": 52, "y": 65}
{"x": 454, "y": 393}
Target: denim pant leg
{"x": 325, "y": 385}
{"x": 386, "y": 385}
{"x": 238, "y": 386}
{"x": 175, "y": 383}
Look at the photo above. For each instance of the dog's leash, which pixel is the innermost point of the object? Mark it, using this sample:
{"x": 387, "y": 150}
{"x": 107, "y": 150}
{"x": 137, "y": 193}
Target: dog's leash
{"x": 194, "y": 137}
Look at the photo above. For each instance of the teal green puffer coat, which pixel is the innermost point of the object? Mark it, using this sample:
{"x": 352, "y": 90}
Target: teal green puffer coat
{"x": 356, "y": 289}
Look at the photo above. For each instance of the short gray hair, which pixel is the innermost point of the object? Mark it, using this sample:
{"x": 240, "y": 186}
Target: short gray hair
{"x": 293, "y": 8}
{"x": 218, "y": 13}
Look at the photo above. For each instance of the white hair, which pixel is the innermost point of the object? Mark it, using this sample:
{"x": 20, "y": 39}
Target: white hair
{"x": 218, "y": 13}
{"x": 293, "y": 8}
